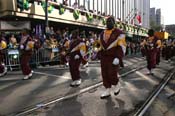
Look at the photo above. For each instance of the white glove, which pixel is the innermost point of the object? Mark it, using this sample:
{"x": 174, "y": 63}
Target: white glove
{"x": 21, "y": 47}
{"x": 27, "y": 48}
{"x": 151, "y": 45}
{"x": 115, "y": 61}
{"x": 76, "y": 57}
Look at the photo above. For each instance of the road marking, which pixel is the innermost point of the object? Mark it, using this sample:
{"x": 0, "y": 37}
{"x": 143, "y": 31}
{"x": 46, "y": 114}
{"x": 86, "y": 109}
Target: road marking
{"x": 133, "y": 60}
{"x": 57, "y": 76}
{"x": 127, "y": 62}
{"x": 71, "y": 95}
{"x": 146, "y": 77}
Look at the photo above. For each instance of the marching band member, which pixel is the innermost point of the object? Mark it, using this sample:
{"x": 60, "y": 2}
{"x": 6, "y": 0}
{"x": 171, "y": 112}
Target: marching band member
{"x": 3, "y": 45}
{"x": 64, "y": 50}
{"x": 153, "y": 43}
{"x": 163, "y": 47}
{"x": 158, "y": 47}
{"x": 113, "y": 48}
{"x": 168, "y": 50}
{"x": 77, "y": 53}
{"x": 26, "y": 47}
{"x": 142, "y": 45}
{"x": 173, "y": 47}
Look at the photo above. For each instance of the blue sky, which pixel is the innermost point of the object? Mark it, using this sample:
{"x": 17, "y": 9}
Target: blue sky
{"x": 168, "y": 9}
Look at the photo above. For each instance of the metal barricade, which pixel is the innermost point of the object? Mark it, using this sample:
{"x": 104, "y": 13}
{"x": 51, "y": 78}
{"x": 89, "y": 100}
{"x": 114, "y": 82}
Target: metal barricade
{"x": 12, "y": 59}
{"x": 42, "y": 56}
{"x": 48, "y": 56}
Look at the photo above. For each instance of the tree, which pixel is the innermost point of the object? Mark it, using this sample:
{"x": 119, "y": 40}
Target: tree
{"x": 154, "y": 26}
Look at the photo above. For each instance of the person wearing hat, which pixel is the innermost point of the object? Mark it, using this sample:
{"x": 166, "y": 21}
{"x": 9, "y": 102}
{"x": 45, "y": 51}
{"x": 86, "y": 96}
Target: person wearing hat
{"x": 113, "y": 48}
{"x": 26, "y": 47}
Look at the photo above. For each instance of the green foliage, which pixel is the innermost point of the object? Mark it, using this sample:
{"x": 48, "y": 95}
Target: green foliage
{"x": 23, "y": 4}
{"x": 89, "y": 17}
{"x": 61, "y": 11}
{"x": 49, "y": 8}
{"x": 76, "y": 14}
{"x": 104, "y": 21}
{"x": 154, "y": 26}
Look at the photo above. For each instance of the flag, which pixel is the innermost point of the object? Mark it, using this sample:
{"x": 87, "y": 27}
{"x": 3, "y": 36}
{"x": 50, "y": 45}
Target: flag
{"x": 132, "y": 21}
{"x": 138, "y": 17}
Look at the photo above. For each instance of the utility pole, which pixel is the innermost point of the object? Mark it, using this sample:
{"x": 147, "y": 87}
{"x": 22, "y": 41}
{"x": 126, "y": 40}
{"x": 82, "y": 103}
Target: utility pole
{"x": 123, "y": 10}
{"x": 46, "y": 17}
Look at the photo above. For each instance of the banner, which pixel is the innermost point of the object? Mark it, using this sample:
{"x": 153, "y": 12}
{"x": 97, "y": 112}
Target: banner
{"x": 14, "y": 25}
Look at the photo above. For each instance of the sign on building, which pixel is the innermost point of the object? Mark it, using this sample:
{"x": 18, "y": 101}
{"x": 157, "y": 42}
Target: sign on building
{"x": 14, "y": 25}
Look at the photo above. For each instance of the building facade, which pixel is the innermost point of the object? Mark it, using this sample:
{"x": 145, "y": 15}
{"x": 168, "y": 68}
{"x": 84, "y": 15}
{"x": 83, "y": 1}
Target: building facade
{"x": 170, "y": 29}
{"x": 153, "y": 15}
{"x": 131, "y": 15}
{"x": 156, "y": 16}
{"x": 124, "y": 10}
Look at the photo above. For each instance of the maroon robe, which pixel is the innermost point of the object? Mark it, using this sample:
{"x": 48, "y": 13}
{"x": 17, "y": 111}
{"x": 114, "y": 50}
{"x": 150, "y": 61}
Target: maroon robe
{"x": 174, "y": 50}
{"x": 168, "y": 52}
{"x": 2, "y": 58}
{"x": 2, "y": 67}
{"x": 62, "y": 50}
{"x": 75, "y": 64}
{"x": 110, "y": 71}
{"x": 151, "y": 54}
{"x": 25, "y": 57}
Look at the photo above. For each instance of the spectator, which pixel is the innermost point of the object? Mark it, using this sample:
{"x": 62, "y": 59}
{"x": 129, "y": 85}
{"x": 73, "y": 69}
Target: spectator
{"x": 65, "y": 2}
{"x": 82, "y": 7}
{"x": 75, "y": 5}
{"x": 13, "y": 42}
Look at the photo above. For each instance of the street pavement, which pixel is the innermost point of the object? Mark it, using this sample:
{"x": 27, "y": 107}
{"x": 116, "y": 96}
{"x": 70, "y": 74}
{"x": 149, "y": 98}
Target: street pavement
{"x": 49, "y": 83}
{"x": 164, "y": 103}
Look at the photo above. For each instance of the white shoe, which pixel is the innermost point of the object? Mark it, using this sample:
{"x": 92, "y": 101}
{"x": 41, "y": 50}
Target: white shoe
{"x": 1, "y": 74}
{"x": 27, "y": 76}
{"x": 4, "y": 73}
{"x": 86, "y": 65}
{"x": 30, "y": 74}
{"x": 117, "y": 89}
{"x": 75, "y": 83}
{"x": 150, "y": 73}
{"x": 66, "y": 65}
{"x": 105, "y": 94}
{"x": 78, "y": 82}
